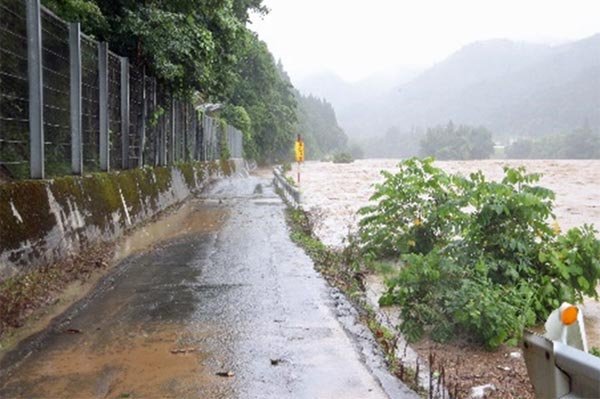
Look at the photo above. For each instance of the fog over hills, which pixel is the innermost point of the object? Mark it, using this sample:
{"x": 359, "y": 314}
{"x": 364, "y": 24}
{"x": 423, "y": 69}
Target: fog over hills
{"x": 515, "y": 89}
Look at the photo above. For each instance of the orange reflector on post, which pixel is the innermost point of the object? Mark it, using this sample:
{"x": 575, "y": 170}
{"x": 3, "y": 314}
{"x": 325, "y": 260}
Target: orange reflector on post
{"x": 569, "y": 315}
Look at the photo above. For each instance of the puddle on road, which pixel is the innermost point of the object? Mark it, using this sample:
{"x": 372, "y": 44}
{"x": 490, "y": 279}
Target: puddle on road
{"x": 137, "y": 365}
{"x": 195, "y": 216}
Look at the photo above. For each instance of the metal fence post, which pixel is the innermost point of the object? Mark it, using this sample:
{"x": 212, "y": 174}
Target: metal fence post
{"x": 199, "y": 135}
{"x": 75, "y": 64}
{"x": 172, "y": 133}
{"x": 125, "y": 112}
{"x": 184, "y": 113}
{"x": 144, "y": 116}
{"x": 36, "y": 90}
{"x": 103, "y": 103}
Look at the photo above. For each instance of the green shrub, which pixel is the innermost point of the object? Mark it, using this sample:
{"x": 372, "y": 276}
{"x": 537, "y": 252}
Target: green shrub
{"x": 483, "y": 261}
{"x": 415, "y": 208}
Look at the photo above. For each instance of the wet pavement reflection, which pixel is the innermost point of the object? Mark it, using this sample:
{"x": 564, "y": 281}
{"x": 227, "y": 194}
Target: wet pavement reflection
{"x": 211, "y": 301}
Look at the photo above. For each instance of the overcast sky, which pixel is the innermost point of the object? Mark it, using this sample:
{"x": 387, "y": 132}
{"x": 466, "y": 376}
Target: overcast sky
{"x": 358, "y": 38}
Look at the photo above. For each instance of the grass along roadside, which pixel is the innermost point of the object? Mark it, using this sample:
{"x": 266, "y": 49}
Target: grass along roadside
{"x": 343, "y": 270}
{"x": 458, "y": 366}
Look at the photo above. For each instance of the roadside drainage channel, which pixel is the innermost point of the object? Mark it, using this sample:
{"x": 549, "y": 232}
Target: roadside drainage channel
{"x": 427, "y": 380}
{"x": 367, "y": 345}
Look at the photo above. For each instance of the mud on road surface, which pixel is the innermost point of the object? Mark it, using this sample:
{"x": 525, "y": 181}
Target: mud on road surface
{"x": 225, "y": 306}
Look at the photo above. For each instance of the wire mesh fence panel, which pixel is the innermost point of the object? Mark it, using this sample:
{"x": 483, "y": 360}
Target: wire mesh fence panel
{"x": 230, "y": 140}
{"x": 207, "y": 138}
{"x": 56, "y": 76}
{"x": 164, "y": 136}
{"x": 165, "y": 132}
{"x": 214, "y": 140}
{"x": 114, "y": 110}
{"x": 237, "y": 144}
{"x": 200, "y": 152}
{"x": 136, "y": 114}
{"x": 14, "y": 91}
{"x": 161, "y": 130}
{"x": 192, "y": 120}
{"x": 182, "y": 127}
{"x": 170, "y": 126}
{"x": 90, "y": 118}
{"x": 183, "y": 155}
{"x": 178, "y": 129}
{"x": 151, "y": 142}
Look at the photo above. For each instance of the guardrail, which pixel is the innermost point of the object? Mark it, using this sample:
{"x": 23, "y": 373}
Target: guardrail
{"x": 291, "y": 194}
{"x": 557, "y": 370}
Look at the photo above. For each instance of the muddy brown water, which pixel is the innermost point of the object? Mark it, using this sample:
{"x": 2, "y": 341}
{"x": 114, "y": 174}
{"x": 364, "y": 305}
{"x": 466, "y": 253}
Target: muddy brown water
{"x": 213, "y": 301}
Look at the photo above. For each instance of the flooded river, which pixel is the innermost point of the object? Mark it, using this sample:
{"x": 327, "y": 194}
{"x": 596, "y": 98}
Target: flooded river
{"x": 334, "y": 192}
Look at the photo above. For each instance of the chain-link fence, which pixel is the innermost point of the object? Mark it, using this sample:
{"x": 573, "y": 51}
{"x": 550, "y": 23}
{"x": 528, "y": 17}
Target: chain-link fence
{"x": 69, "y": 105}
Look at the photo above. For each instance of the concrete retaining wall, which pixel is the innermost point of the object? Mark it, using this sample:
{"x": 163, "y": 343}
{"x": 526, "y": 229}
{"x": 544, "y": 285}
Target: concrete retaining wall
{"x": 41, "y": 222}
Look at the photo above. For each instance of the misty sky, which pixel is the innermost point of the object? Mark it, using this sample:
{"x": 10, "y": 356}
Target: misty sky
{"x": 358, "y": 38}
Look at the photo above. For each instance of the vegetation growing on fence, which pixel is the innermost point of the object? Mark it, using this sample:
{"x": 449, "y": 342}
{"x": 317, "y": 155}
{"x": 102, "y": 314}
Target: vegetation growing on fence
{"x": 481, "y": 258}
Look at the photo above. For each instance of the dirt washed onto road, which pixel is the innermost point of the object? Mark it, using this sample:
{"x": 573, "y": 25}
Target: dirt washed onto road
{"x": 214, "y": 301}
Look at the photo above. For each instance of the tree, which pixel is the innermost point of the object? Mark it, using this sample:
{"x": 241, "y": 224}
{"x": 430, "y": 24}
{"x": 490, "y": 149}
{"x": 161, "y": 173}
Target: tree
{"x": 318, "y": 126}
{"x": 200, "y": 47}
{"x": 462, "y": 142}
{"x": 266, "y": 95}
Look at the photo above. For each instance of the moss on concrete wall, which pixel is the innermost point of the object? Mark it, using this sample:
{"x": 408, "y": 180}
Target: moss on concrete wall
{"x": 43, "y": 221}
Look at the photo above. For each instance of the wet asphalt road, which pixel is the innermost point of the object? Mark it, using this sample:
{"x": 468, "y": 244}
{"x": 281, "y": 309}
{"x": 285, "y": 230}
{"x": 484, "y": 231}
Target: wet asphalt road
{"x": 225, "y": 307}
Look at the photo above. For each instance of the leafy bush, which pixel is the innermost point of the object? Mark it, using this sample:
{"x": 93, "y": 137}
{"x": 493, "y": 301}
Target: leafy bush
{"x": 416, "y": 207}
{"x": 482, "y": 261}
{"x": 342, "y": 157}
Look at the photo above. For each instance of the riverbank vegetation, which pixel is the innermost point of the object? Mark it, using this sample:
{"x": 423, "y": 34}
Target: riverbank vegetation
{"x": 482, "y": 260}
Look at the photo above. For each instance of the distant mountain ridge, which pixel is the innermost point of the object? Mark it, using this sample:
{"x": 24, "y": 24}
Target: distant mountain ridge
{"x": 515, "y": 89}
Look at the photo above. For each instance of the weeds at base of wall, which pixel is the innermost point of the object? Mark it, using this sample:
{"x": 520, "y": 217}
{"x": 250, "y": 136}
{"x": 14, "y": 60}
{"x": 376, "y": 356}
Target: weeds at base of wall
{"x": 341, "y": 270}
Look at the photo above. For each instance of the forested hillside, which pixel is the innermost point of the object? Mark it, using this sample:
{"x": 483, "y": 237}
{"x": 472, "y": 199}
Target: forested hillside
{"x": 513, "y": 89}
{"x": 319, "y": 128}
